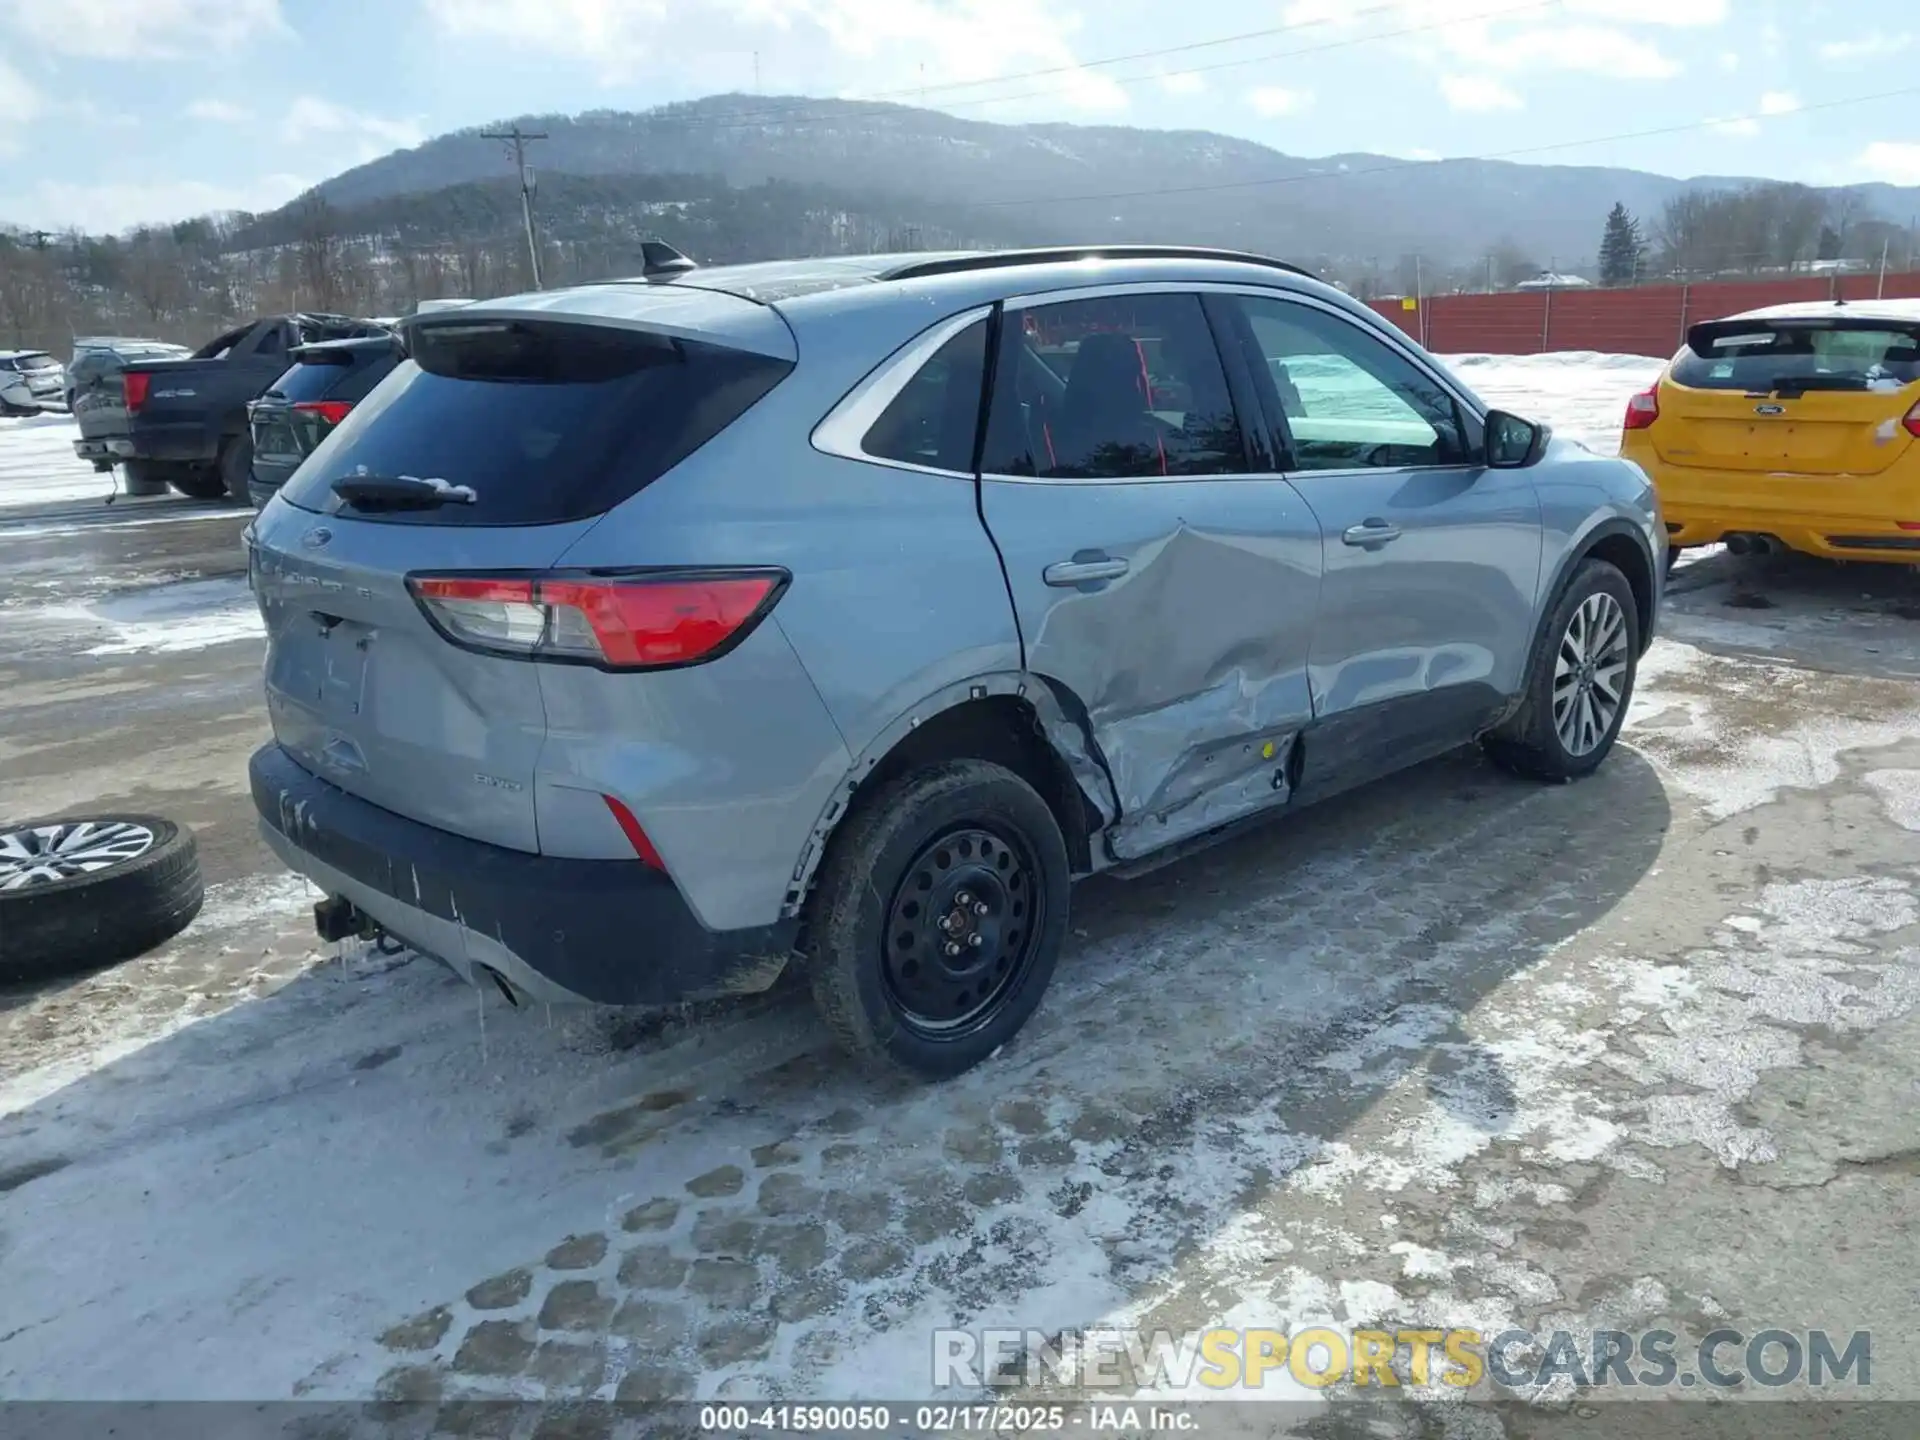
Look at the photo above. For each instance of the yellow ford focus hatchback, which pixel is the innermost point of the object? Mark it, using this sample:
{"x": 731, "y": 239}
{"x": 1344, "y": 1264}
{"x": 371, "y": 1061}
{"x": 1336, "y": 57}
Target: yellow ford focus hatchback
{"x": 1796, "y": 427}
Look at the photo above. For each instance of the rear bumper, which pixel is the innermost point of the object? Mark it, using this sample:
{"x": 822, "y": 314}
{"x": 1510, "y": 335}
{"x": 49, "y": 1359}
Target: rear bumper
{"x": 188, "y": 443}
{"x": 111, "y": 450}
{"x": 1701, "y": 508}
{"x": 607, "y": 932}
{"x": 1831, "y": 537}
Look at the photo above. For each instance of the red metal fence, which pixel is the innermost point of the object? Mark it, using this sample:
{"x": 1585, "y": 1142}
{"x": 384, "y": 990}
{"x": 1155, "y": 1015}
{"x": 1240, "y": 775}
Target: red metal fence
{"x": 1645, "y": 320}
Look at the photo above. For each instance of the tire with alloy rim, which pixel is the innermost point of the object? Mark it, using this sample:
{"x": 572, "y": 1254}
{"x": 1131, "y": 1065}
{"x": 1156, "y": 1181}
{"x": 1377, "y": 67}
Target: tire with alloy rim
{"x": 85, "y": 892}
{"x": 1579, "y": 682}
{"x": 938, "y": 918}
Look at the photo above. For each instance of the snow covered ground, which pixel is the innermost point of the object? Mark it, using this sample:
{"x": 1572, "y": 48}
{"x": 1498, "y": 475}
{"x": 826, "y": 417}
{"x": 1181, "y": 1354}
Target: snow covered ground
{"x": 38, "y": 466}
{"x": 1580, "y": 394}
{"x": 1452, "y": 1050}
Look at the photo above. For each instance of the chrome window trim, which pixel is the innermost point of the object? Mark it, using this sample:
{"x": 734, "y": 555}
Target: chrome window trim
{"x": 843, "y": 429}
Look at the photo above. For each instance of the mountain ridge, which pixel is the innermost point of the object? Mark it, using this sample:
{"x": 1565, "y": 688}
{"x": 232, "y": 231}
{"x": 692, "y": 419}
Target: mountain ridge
{"x": 1054, "y": 180}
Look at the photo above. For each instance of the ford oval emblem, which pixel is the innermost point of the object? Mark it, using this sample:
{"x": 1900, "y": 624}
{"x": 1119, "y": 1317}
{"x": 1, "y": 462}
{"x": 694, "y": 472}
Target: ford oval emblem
{"x": 316, "y": 537}
{"x": 1769, "y": 409}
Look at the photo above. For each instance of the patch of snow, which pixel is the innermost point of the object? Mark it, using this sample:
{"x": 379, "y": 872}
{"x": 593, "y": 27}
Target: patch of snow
{"x": 38, "y": 466}
{"x": 164, "y": 619}
{"x": 1899, "y": 792}
{"x": 1582, "y": 395}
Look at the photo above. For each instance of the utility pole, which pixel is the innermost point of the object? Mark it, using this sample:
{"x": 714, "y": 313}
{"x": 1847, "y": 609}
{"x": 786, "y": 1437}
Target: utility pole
{"x": 519, "y": 138}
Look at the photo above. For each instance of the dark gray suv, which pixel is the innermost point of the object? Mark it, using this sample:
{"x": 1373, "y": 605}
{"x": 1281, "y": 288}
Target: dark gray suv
{"x": 637, "y": 641}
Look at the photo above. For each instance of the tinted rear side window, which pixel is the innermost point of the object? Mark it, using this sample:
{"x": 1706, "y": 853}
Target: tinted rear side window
{"x": 933, "y": 420}
{"x": 1762, "y": 358}
{"x": 544, "y": 422}
{"x": 1117, "y": 388}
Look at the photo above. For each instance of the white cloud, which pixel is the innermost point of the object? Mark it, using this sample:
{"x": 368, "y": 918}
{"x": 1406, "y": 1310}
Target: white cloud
{"x": 936, "y": 43}
{"x": 19, "y": 99}
{"x": 1779, "y": 102}
{"x": 1743, "y": 128}
{"x": 143, "y": 29}
{"x": 309, "y": 115}
{"x": 1896, "y": 162}
{"x": 1729, "y": 59}
{"x": 1679, "y": 13}
{"x": 1770, "y": 39}
{"x": 220, "y": 111}
{"x": 1273, "y": 101}
{"x": 1183, "y": 83}
{"x": 1868, "y": 47}
{"x": 1462, "y": 32}
{"x": 110, "y": 207}
{"x": 1477, "y": 94}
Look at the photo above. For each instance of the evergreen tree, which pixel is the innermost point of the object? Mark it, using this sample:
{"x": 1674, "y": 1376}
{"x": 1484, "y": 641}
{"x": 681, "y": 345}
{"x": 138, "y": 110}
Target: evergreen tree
{"x": 1621, "y": 248}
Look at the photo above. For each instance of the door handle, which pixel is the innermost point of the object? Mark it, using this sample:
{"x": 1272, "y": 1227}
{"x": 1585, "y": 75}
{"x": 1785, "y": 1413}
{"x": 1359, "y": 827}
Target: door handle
{"x": 1373, "y": 532}
{"x": 1083, "y": 572}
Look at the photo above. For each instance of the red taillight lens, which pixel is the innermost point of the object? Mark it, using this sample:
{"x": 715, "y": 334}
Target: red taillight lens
{"x": 135, "y": 383}
{"x": 1912, "y": 422}
{"x": 331, "y": 411}
{"x": 1643, "y": 409}
{"x": 631, "y": 622}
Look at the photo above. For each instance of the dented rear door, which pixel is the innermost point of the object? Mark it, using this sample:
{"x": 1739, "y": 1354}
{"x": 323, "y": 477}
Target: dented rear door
{"x": 1160, "y": 572}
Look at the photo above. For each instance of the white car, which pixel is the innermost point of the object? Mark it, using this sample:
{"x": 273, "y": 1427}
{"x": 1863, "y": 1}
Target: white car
{"x": 31, "y": 381}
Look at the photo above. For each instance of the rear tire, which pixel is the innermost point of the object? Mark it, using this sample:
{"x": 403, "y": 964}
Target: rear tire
{"x": 1579, "y": 680}
{"x": 59, "y": 919}
{"x": 236, "y": 468}
{"x": 938, "y": 918}
{"x": 197, "y": 483}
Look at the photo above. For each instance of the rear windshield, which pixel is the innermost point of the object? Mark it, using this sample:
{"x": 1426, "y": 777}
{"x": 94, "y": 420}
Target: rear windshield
{"x": 544, "y": 422}
{"x": 1764, "y": 358}
{"x": 309, "y": 382}
{"x": 34, "y": 362}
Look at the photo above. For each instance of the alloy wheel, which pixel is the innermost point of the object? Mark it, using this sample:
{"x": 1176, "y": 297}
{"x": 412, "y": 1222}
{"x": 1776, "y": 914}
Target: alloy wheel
{"x": 1590, "y": 674}
{"x": 47, "y": 854}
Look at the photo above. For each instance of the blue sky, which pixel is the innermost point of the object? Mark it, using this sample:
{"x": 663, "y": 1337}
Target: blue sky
{"x": 114, "y": 112}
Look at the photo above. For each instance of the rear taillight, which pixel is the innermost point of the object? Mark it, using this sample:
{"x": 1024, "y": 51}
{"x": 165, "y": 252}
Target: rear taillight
{"x": 626, "y": 622}
{"x": 331, "y": 411}
{"x": 136, "y": 383}
{"x": 1643, "y": 409}
{"x": 1912, "y": 422}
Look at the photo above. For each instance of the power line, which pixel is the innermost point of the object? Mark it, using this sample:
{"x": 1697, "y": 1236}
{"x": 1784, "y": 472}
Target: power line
{"x": 804, "y": 110}
{"x": 1402, "y": 165}
{"x": 519, "y": 139}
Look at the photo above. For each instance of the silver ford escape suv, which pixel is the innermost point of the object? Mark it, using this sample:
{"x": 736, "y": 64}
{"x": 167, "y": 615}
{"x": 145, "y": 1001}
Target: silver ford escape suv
{"x": 634, "y": 642}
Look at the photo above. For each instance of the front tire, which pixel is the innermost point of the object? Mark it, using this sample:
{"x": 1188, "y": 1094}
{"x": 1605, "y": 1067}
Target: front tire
{"x": 1579, "y": 680}
{"x": 938, "y": 918}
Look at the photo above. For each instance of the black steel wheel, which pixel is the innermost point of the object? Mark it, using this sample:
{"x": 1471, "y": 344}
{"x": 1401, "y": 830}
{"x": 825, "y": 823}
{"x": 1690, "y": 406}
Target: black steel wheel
{"x": 938, "y": 917}
{"x": 963, "y": 928}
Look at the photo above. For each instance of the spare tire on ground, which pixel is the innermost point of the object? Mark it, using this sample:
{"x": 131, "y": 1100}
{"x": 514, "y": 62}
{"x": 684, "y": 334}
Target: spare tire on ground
{"x": 82, "y": 892}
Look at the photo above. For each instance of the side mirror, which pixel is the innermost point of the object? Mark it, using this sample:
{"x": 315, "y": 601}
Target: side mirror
{"x": 1513, "y": 443}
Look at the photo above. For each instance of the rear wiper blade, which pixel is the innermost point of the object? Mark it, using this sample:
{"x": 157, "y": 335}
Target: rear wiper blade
{"x": 1788, "y": 386}
{"x": 401, "y": 492}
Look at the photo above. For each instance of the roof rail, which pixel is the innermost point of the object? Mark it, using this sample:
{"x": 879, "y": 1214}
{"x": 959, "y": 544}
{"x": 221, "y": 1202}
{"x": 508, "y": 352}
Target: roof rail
{"x": 1058, "y": 254}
